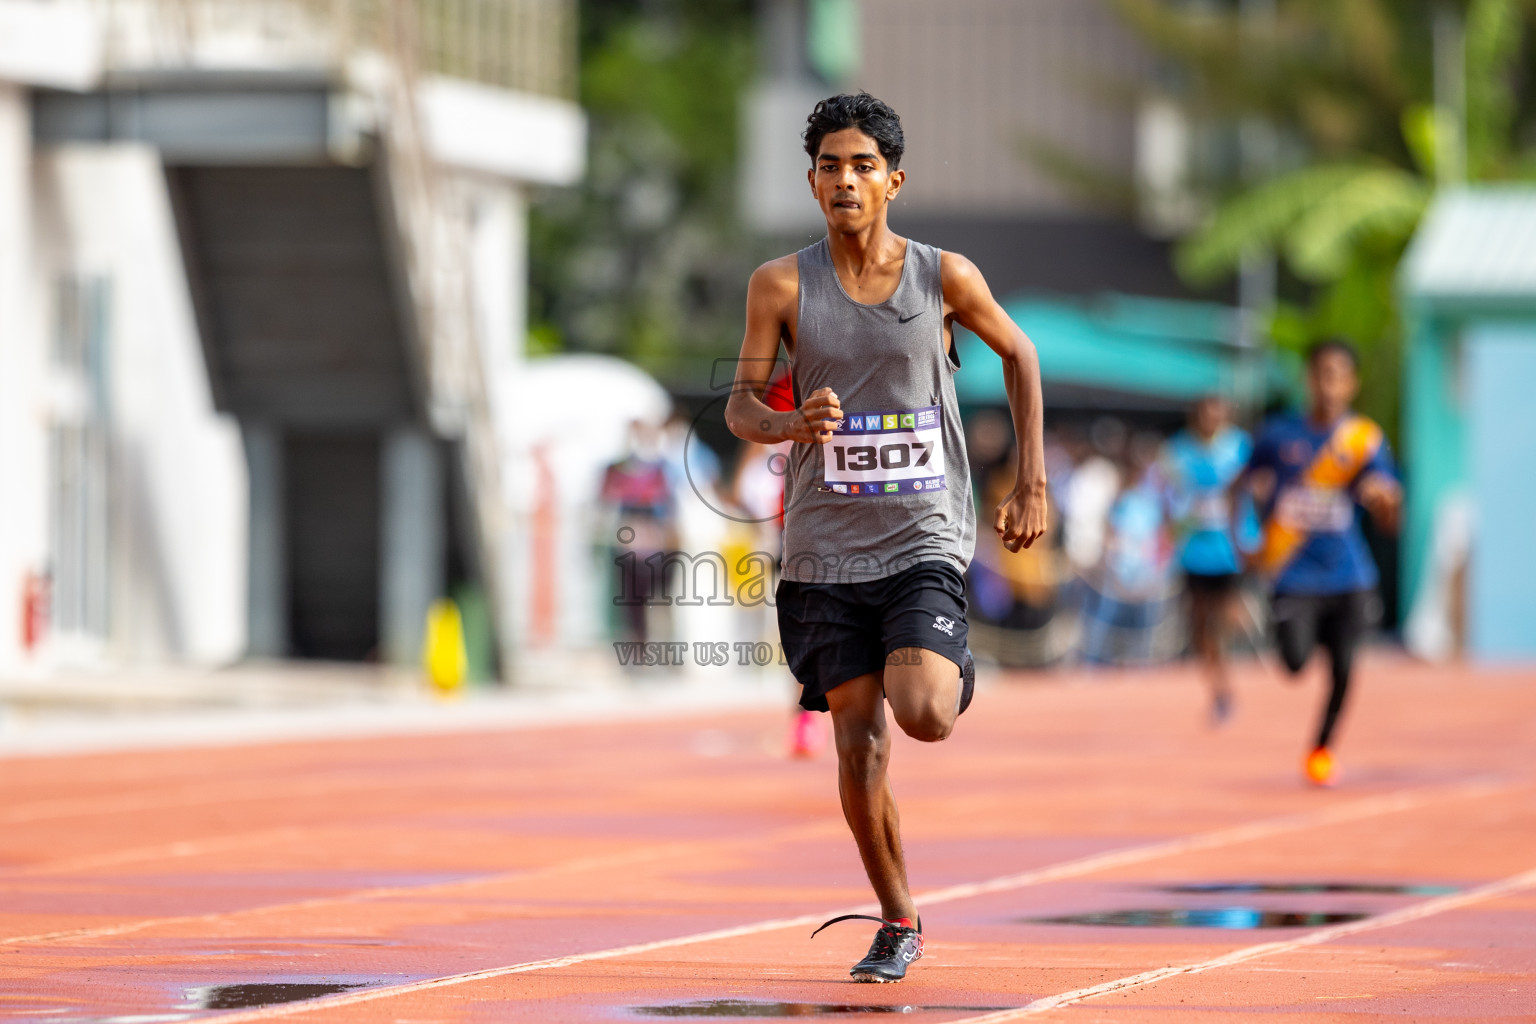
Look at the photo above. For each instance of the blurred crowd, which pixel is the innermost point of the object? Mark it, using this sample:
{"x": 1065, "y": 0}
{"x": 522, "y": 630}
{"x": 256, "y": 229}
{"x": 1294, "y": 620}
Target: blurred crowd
{"x": 1106, "y": 585}
{"x": 693, "y": 540}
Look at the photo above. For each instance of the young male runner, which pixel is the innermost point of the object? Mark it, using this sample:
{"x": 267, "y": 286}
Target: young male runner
{"x": 878, "y": 517}
{"x": 1307, "y": 474}
{"x": 1199, "y": 465}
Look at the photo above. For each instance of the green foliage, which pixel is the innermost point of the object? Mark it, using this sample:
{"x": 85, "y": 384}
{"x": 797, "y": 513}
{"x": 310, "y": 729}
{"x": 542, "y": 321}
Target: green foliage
{"x": 1428, "y": 130}
{"x": 1323, "y": 69}
{"x": 1320, "y": 218}
{"x": 1495, "y": 33}
{"x": 544, "y": 339}
{"x": 1347, "y": 89}
{"x": 630, "y": 261}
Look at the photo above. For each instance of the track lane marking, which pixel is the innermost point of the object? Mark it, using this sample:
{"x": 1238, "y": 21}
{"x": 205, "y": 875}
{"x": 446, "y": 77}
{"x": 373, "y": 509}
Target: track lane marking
{"x": 194, "y": 795}
{"x": 964, "y": 890}
{"x": 158, "y": 853}
{"x": 1416, "y": 912}
{"x": 1351, "y": 811}
{"x": 221, "y": 794}
{"x": 627, "y": 858}
{"x": 1388, "y": 803}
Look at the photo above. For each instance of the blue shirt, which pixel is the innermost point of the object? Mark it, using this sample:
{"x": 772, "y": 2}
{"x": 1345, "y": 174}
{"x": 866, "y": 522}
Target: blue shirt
{"x": 1134, "y": 563}
{"x": 1334, "y": 559}
{"x": 1198, "y": 476}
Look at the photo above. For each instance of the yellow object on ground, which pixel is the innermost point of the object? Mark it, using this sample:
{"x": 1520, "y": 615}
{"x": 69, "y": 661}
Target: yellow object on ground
{"x": 1320, "y": 768}
{"x": 443, "y": 654}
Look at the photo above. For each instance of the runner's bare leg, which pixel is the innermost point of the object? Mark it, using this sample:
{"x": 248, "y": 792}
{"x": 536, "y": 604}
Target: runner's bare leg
{"x": 863, "y": 753}
{"x": 924, "y": 691}
{"x": 1211, "y": 614}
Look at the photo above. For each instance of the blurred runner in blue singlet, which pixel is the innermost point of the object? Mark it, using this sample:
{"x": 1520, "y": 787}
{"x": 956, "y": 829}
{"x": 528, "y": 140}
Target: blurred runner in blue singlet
{"x": 1200, "y": 464}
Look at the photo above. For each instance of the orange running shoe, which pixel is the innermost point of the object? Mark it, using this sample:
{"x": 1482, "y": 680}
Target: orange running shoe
{"x": 1320, "y": 769}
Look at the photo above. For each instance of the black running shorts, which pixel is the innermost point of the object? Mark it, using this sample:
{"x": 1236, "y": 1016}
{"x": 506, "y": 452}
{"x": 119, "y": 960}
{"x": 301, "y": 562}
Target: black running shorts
{"x": 833, "y": 632}
{"x": 1337, "y": 621}
{"x": 1217, "y": 584}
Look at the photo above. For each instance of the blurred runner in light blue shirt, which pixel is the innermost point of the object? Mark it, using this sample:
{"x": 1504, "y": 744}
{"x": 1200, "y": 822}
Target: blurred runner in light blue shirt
{"x": 1199, "y": 466}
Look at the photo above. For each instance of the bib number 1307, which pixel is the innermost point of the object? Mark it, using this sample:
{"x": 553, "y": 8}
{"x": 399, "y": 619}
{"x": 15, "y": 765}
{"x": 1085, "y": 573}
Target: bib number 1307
{"x": 861, "y": 457}
{"x": 898, "y": 452}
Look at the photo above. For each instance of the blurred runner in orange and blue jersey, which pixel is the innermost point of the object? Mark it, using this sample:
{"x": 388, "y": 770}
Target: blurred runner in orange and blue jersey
{"x": 1310, "y": 474}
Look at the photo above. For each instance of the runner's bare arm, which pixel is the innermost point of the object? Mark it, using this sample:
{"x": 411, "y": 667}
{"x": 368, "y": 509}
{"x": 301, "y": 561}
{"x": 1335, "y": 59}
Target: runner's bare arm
{"x": 772, "y": 298}
{"x": 1382, "y": 497}
{"x": 1021, "y": 518}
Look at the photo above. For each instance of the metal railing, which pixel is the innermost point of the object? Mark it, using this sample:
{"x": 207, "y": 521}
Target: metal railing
{"x": 433, "y": 237}
{"x": 527, "y": 45}
{"x": 381, "y": 49}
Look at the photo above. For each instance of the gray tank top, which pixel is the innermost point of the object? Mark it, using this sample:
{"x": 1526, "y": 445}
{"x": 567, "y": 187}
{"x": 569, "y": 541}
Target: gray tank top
{"x": 893, "y": 487}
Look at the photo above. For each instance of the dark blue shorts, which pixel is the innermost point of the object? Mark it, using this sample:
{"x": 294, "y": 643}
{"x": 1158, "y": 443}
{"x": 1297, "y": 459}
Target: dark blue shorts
{"x": 833, "y": 632}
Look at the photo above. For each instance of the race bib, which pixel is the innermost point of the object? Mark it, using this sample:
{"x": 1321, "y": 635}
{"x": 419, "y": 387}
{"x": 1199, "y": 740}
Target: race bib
{"x": 899, "y": 452}
{"x": 1315, "y": 509}
{"x": 1210, "y": 511}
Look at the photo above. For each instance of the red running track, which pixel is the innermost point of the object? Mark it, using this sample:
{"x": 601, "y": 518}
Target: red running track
{"x": 674, "y": 869}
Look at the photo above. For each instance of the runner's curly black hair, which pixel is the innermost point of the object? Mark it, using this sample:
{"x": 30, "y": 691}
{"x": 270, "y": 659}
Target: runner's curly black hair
{"x": 1339, "y": 345}
{"x": 861, "y": 111}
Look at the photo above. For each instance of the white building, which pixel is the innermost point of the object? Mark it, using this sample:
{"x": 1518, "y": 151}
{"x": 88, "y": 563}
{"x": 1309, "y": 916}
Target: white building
{"x": 262, "y": 281}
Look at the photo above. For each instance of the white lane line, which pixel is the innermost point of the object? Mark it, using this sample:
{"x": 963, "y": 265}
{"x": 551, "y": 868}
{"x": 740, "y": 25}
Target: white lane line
{"x": 625, "y": 859}
{"x": 1353, "y": 810}
{"x": 360, "y": 896}
{"x": 157, "y": 854}
{"x": 193, "y": 795}
{"x": 1418, "y": 911}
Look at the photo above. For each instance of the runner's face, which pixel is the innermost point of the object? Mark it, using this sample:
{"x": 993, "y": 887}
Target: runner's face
{"x": 851, "y": 181}
{"x": 1333, "y": 383}
{"x": 1210, "y": 416}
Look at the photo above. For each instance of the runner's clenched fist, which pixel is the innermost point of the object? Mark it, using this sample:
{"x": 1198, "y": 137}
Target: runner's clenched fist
{"x": 817, "y": 417}
{"x": 1020, "y": 519}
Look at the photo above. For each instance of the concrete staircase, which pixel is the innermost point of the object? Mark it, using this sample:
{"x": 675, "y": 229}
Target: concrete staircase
{"x": 328, "y": 258}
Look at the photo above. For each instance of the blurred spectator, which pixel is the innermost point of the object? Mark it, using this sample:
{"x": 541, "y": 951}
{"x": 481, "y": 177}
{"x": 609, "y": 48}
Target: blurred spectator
{"x": 1129, "y": 598}
{"x": 691, "y": 464}
{"x": 759, "y": 489}
{"x": 1090, "y": 492}
{"x": 1015, "y": 591}
{"x": 1059, "y": 466}
{"x": 1199, "y": 466}
{"x": 638, "y": 489}
{"x": 988, "y": 442}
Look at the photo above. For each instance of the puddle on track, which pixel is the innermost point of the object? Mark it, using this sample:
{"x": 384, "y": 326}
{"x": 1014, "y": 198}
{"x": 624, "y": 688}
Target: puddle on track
{"x": 1235, "y": 918}
{"x": 263, "y": 993}
{"x": 751, "y": 1008}
{"x": 1305, "y": 888}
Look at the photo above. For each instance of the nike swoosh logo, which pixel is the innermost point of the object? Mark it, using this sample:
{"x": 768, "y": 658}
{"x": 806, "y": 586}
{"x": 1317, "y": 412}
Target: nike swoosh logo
{"x": 904, "y": 319}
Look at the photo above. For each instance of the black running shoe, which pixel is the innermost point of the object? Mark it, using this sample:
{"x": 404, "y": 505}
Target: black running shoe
{"x": 967, "y": 681}
{"x": 897, "y": 945}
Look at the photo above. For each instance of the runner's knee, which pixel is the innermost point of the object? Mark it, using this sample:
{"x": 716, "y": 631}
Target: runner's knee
{"x": 929, "y": 720}
{"x": 863, "y": 748}
{"x": 923, "y": 690}
{"x": 1294, "y": 643}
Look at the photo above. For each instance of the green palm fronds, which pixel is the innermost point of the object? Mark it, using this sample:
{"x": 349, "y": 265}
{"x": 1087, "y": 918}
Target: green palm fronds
{"x": 1316, "y": 216}
{"x": 1376, "y": 210}
{"x": 1347, "y": 89}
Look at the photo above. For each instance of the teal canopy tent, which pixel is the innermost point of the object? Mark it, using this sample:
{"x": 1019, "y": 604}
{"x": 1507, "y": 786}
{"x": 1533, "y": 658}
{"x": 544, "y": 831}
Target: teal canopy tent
{"x": 1162, "y": 349}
